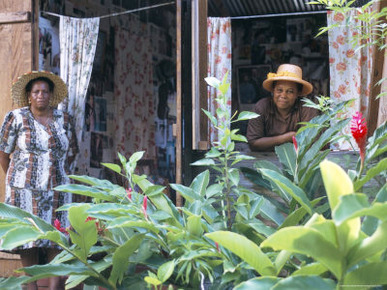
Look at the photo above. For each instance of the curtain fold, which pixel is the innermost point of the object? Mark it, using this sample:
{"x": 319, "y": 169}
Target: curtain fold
{"x": 133, "y": 92}
{"x": 219, "y": 44}
{"x": 78, "y": 42}
{"x": 350, "y": 68}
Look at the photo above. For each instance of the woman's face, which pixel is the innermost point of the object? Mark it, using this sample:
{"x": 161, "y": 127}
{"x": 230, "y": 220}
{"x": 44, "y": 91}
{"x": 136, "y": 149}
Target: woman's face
{"x": 40, "y": 95}
{"x": 285, "y": 94}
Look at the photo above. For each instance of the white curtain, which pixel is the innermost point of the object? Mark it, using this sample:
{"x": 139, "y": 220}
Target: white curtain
{"x": 219, "y": 63}
{"x": 350, "y": 68}
{"x": 78, "y": 41}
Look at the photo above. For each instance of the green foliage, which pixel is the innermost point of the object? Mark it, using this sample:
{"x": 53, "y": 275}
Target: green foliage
{"x": 337, "y": 245}
{"x": 136, "y": 237}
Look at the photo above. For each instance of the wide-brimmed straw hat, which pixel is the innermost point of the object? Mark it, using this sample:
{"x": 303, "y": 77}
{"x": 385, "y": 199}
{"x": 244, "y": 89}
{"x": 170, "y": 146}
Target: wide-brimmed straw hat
{"x": 18, "y": 90}
{"x": 288, "y": 72}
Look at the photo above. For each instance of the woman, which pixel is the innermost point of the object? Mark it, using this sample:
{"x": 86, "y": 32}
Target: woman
{"x": 37, "y": 144}
{"x": 280, "y": 114}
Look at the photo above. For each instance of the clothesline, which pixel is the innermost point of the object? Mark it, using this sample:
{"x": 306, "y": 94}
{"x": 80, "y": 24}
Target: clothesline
{"x": 118, "y": 13}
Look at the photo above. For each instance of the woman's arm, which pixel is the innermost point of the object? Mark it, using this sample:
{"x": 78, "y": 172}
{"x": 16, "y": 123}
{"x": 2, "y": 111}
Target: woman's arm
{"x": 268, "y": 143}
{"x": 4, "y": 160}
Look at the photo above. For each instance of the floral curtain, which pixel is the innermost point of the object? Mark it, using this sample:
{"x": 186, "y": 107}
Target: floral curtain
{"x": 219, "y": 63}
{"x": 78, "y": 41}
{"x": 135, "y": 105}
{"x": 350, "y": 68}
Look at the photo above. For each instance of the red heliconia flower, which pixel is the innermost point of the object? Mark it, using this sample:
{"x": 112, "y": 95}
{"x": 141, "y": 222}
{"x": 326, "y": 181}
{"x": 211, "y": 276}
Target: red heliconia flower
{"x": 359, "y": 132}
{"x": 129, "y": 192}
{"x": 144, "y": 206}
{"x": 58, "y": 226}
{"x": 295, "y": 143}
{"x": 217, "y": 247}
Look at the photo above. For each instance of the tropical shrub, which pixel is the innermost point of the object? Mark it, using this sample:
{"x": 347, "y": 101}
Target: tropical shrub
{"x": 136, "y": 237}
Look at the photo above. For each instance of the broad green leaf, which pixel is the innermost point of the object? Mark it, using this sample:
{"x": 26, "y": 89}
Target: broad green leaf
{"x": 165, "y": 271}
{"x": 194, "y": 225}
{"x": 255, "y": 206}
{"x": 116, "y": 168}
{"x": 136, "y": 156}
{"x": 380, "y": 167}
{"x": 96, "y": 182}
{"x": 288, "y": 188}
{"x": 271, "y": 212}
{"x": 13, "y": 212}
{"x": 255, "y": 177}
{"x": 19, "y": 236}
{"x": 368, "y": 274}
{"x": 307, "y": 241}
{"x": 84, "y": 234}
{"x": 337, "y": 184}
{"x": 200, "y": 183}
{"x": 377, "y": 138}
{"x": 224, "y": 87}
{"x": 203, "y": 162}
{"x": 86, "y": 190}
{"x": 348, "y": 205}
{"x": 245, "y": 249}
{"x": 212, "y": 118}
{"x": 297, "y": 215}
{"x": 121, "y": 258}
{"x": 233, "y": 174}
{"x": 74, "y": 280}
{"x": 287, "y": 157}
{"x": 370, "y": 223}
{"x": 12, "y": 283}
{"x": 162, "y": 202}
{"x": 49, "y": 270}
{"x": 371, "y": 245}
{"x": 128, "y": 222}
{"x": 311, "y": 269}
{"x": 154, "y": 190}
{"x": 314, "y": 150}
{"x": 305, "y": 282}
{"x": 245, "y": 115}
{"x": 355, "y": 206}
{"x": 186, "y": 192}
{"x": 152, "y": 281}
{"x": 261, "y": 283}
{"x": 213, "y": 153}
{"x": 213, "y": 190}
{"x": 325, "y": 227}
{"x": 238, "y": 137}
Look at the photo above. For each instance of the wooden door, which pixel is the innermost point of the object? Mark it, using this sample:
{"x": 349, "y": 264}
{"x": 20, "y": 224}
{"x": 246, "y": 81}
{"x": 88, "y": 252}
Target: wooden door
{"x": 17, "y": 46}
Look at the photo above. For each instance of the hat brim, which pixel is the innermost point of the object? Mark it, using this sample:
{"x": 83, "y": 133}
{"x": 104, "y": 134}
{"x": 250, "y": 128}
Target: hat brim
{"x": 307, "y": 87}
{"x": 18, "y": 90}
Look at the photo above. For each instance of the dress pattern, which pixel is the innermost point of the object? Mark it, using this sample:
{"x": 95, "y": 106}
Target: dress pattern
{"x": 38, "y": 163}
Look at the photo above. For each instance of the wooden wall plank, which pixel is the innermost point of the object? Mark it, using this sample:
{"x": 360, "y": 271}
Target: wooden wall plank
{"x": 15, "y": 17}
{"x": 15, "y": 58}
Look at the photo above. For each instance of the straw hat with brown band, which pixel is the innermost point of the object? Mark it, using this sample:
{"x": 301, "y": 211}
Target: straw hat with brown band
{"x": 19, "y": 94}
{"x": 288, "y": 72}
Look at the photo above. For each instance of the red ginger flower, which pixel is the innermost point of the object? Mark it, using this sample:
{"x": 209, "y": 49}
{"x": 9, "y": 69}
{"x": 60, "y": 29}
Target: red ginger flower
{"x": 359, "y": 133}
{"x": 144, "y": 206}
{"x": 129, "y": 192}
{"x": 295, "y": 143}
{"x": 100, "y": 229}
{"x": 58, "y": 226}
